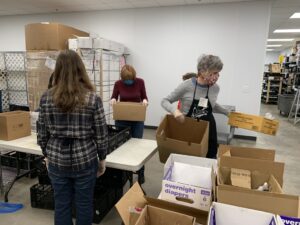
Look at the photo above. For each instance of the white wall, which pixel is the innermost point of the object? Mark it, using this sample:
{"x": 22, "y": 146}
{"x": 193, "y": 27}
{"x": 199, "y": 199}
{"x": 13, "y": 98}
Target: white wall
{"x": 272, "y": 57}
{"x": 166, "y": 42}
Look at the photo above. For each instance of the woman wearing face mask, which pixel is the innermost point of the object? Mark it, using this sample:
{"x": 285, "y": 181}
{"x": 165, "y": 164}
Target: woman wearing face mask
{"x": 198, "y": 98}
{"x": 131, "y": 89}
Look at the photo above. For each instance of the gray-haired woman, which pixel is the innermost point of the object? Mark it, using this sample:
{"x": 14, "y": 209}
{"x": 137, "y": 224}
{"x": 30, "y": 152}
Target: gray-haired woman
{"x": 198, "y": 98}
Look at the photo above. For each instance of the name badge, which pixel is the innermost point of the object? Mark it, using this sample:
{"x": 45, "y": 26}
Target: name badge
{"x": 203, "y": 102}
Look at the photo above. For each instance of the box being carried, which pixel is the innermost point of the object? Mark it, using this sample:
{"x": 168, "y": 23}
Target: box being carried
{"x": 14, "y": 125}
{"x": 130, "y": 111}
{"x": 50, "y": 36}
{"x": 253, "y": 122}
{"x": 188, "y": 138}
{"x": 222, "y": 214}
{"x": 189, "y": 181}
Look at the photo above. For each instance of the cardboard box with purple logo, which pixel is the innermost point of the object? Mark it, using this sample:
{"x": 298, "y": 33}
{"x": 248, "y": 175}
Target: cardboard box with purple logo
{"x": 223, "y": 214}
{"x": 189, "y": 181}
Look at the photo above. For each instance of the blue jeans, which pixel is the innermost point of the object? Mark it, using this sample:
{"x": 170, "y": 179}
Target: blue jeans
{"x": 78, "y": 185}
{"x": 136, "y": 127}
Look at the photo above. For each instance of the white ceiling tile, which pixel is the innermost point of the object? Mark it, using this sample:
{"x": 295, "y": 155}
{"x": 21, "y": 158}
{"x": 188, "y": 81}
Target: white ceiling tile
{"x": 170, "y": 2}
{"x": 143, "y": 3}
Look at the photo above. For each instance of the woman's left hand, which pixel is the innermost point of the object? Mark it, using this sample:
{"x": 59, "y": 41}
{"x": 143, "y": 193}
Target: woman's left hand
{"x": 145, "y": 102}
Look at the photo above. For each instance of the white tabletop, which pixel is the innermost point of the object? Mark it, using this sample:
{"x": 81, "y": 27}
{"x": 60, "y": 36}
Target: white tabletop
{"x": 130, "y": 156}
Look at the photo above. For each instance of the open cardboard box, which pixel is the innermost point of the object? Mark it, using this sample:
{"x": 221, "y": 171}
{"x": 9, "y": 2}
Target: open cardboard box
{"x": 246, "y": 152}
{"x": 189, "y": 180}
{"x": 188, "y": 138}
{"x": 265, "y": 166}
{"x": 129, "y": 111}
{"x": 135, "y": 198}
{"x": 253, "y": 122}
{"x": 257, "y": 179}
{"x": 222, "y": 214}
{"x": 152, "y": 215}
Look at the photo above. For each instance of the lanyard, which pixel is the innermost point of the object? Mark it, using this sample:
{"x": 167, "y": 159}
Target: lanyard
{"x": 196, "y": 88}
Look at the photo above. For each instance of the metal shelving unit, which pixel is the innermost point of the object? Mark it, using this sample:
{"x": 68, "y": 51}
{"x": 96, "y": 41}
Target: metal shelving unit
{"x": 13, "y": 84}
{"x": 272, "y": 87}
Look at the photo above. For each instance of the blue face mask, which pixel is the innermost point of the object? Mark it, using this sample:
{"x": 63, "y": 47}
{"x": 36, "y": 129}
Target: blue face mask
{"x": 128, "y": 82}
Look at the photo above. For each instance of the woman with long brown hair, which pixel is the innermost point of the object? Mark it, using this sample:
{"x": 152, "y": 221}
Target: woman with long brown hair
{"x": 73, "y": 137}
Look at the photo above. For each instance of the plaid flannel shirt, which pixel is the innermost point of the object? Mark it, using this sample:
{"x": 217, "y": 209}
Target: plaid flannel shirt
{"x": 72, "y": 141}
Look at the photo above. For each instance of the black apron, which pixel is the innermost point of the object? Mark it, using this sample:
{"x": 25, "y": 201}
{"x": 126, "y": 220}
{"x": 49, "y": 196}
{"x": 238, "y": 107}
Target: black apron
{"x": 201, "y": 113}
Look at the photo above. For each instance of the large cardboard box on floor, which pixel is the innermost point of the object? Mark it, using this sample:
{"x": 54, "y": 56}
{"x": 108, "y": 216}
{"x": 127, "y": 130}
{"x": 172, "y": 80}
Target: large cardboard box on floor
{"x": 189, "y": 180}
{"x": 130, "y": 111}
{"x": 153, "y": 216}
{"x": 253, "y": 122}
{"x": 223, "y": 214}
{"x": 135, "y": 198}
{"x": 188, "y": 138}
{"x": 14, "y": 125}
{"x": 50, "y": 36}
{"x": 246, "y": 152}
{"x": 265, "y": 166}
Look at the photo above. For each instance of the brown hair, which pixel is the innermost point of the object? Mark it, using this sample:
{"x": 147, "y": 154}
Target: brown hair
{"x": 188, "y": 76}
{"x": 70, "y": 81}
{"x": 128, "y": 72}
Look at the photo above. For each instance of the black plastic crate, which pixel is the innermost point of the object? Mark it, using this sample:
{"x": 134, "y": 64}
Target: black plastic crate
{"x": 117, "y": 136}
{"x": 113, "y": 178}
{"x": 26, "y": 161}
{"x": 104, "y": 202}
{"x": 41, "y": 196}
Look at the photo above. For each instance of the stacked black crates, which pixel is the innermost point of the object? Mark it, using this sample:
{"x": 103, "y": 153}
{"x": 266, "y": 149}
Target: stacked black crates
{"x": 108, "y": 188}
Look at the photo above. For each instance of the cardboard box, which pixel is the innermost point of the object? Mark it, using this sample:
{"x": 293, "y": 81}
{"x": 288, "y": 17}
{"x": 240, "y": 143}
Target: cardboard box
{"x": 14, "y": 125}
{"x": 130, "y": 111}
{"x": 188, "y": 138}
{"x": 50, "y": 36}
{"x": 276, "y": 203}
{"x": 194, "y": 195}
{"x": 264, "y": 166}
{"x": 274, "y": 68}
{"x": 253, "y": 122}
{"x": 257, "y": 179}
{"x": 222, "y": 214}
{"x": 135, "y": 198}
{"x": 153, "y": 216}
{"x": 189, "y": 180}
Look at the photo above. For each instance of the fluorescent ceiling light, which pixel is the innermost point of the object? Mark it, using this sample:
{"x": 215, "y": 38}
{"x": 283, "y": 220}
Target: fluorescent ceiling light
{"x": 274, "y": 45}
{"x": 287, "y": 31}
{"x": 295, "y": 16}
{"x": 270, "y": 50}
{"x": 280, "y": 40}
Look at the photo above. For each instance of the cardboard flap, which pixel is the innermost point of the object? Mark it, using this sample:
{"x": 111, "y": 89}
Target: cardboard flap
{"x": 246, "y": 152}
{"x": 162, "y": 125}
{"x": 200, "y": 215}
{"x": 134, "y": 197}
{"x": 241, "y": 178}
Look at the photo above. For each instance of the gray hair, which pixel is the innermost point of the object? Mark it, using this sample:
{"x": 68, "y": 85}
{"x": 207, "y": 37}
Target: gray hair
{"x": 209, "y": 63}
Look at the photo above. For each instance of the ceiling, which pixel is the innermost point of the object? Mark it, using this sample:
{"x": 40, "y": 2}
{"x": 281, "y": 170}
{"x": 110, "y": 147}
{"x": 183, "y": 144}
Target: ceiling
{"x": 280, "y": 13}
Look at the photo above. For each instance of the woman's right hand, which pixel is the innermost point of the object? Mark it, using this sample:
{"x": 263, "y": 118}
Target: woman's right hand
{"x": 101, "y": 168}
{"x": 113, "y": 101}
{"x": 179, "y": 116}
